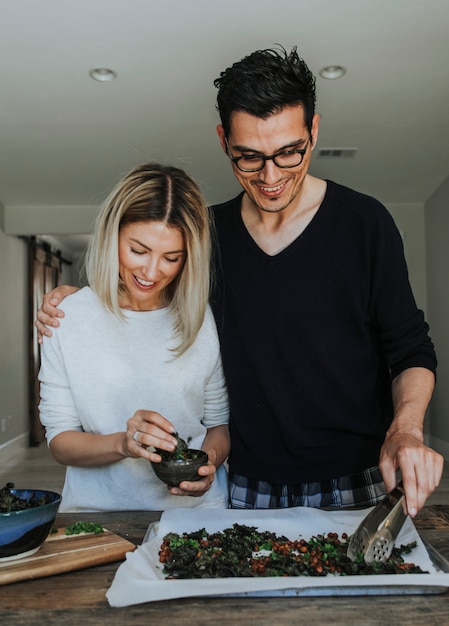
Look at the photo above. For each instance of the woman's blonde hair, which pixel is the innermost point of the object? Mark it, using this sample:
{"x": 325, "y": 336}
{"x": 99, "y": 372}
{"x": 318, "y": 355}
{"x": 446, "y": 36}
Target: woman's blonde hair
{"x": 160, "y": 193}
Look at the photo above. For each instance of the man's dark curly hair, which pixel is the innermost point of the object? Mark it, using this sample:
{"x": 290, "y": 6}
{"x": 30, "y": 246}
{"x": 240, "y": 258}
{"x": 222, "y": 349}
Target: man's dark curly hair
{"x": 264, "y": 83}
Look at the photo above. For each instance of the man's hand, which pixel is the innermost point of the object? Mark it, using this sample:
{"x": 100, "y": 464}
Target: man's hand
{"x": 420, "y": 466}
{"x": 48, "y": 314}
{"x": 404, "y": 449}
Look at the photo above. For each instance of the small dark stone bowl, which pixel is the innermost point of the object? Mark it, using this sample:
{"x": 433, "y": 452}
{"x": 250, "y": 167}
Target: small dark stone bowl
{"x": 23, "y": 532}
{"x": 174, "y": 471}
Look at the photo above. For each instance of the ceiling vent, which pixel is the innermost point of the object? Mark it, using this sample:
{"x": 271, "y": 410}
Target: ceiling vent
{"x": 337, "y": 153}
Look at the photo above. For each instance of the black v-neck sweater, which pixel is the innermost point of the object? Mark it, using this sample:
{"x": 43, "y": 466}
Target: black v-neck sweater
{"x": 312, "y": 337}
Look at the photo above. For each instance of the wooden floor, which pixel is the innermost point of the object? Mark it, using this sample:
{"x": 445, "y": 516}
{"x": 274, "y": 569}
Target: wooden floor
{"x": 38, "y": 470}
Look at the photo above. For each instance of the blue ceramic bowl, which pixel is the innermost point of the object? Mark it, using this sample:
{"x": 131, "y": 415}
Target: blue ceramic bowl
{"x": 23, "y": 532}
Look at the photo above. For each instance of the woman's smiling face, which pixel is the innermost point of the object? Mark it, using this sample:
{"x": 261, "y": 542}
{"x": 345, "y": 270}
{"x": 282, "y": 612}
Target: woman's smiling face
{"x": 151, "y": 255}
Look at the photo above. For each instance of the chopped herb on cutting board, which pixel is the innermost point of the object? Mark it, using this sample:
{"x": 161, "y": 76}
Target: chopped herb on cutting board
{"x": 84, "y": 527}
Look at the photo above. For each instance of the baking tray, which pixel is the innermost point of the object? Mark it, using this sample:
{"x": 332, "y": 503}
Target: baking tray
{"x": 140, "y": 578}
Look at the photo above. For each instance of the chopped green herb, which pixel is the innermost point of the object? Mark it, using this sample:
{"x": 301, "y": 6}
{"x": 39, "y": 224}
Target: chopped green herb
{"x": 181, "y": 452}
{"x": 84, "y": 527}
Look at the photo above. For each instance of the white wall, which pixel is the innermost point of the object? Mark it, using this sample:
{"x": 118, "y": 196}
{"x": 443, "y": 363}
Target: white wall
{"x": 49, "y": 220}
{"x": 13, "y": 343}
{"x": 410, "y": 220}
{"x": 437, "y": 261}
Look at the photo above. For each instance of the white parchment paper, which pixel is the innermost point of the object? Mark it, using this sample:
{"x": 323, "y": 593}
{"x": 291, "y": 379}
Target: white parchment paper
{"x": 140, "y": 579}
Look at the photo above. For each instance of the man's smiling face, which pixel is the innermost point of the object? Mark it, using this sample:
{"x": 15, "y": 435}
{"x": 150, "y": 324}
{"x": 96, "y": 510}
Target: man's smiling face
{"x": 273, "y": 188}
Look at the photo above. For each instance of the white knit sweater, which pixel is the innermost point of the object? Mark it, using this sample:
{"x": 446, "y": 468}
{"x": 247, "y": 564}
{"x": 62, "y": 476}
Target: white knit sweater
{"x": 97, "y": 370}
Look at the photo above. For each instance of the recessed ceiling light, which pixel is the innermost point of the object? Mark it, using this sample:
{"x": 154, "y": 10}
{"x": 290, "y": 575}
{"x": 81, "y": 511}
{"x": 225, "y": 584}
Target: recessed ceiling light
{"x": 333, "y": 71}
{"x": 103, "y": 74}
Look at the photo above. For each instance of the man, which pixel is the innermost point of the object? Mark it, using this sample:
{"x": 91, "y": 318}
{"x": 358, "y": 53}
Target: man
{"x": 328, "y": 361}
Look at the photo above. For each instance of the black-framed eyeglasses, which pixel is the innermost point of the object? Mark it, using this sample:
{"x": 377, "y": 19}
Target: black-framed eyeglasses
{"x": 256, "y": 162}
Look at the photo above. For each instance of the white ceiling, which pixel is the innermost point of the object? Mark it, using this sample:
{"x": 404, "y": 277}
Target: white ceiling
{"x": 65, "y": 139}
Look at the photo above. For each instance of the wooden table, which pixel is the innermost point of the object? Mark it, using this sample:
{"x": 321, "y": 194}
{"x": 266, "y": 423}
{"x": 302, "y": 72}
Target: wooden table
{"x": 78, "y": 598}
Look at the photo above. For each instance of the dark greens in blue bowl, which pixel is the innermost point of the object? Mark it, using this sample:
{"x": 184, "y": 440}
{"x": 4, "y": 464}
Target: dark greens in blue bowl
{"x": 26, "y": 518}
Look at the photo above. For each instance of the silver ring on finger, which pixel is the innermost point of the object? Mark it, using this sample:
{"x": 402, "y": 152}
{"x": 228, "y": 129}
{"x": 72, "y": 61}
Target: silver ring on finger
{"x": 136, "y": 436}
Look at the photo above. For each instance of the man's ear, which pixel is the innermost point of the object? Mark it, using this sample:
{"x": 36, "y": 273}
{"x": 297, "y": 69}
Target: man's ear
{"x": 222, "y": 137}
{"x": 314, "y": 133}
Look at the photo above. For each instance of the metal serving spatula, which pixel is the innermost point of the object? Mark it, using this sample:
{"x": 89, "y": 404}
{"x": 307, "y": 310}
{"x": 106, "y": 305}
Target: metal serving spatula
{"x": 377, "y": 532}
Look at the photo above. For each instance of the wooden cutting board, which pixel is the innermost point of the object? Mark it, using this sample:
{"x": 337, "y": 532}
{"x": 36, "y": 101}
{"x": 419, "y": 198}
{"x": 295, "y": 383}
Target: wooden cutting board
{"x": 63, "y": 553}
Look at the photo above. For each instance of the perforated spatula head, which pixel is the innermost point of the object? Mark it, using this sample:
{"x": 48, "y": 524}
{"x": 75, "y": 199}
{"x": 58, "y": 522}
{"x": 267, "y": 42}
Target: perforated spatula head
{"x": 377, "y": 532}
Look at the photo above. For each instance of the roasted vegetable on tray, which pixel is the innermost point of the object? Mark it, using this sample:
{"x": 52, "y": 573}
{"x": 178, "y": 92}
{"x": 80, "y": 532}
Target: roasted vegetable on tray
{"x": 244, "y": 551}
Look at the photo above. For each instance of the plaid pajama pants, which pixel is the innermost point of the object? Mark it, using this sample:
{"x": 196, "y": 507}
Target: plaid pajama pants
{"x": 363, "y": 489}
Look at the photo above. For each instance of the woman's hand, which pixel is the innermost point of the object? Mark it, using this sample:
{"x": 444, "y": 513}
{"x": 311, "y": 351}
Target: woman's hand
{"x": 48, "y": 314}
{"x": 146, "y": 429}
{"x": 217, "y": 445}
{"x": 198, "y": 487}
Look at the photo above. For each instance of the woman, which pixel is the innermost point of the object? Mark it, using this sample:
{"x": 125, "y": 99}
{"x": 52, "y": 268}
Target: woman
{"x": 137, "y": 357}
